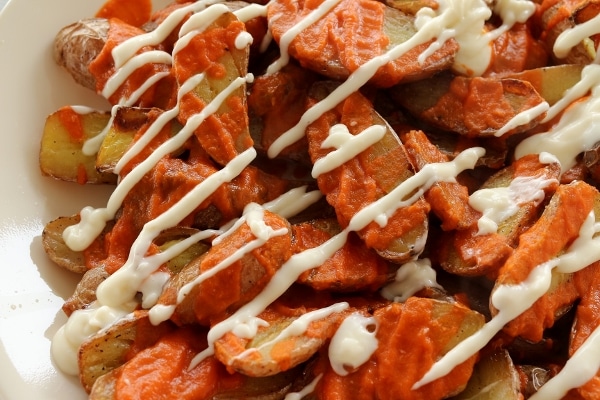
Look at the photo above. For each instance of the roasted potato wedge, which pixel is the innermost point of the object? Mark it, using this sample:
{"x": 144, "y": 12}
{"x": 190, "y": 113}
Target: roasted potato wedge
{"x": 56, "y": 248}
{"x": 112, "y": 348}
{"x": 402, "y": 326}
{"x": 228, "y": 288}
{"x": 61, "y": 152}
{"x": 171, "y": 237}
{"x": 225, "y": 133}
{"x": 273, "y": 350}
{"x": 274, "y": 387}
{"x": 269, "y": 118}
{"x": 494, "y": 377}
{"x": 449, "y": 200}
{"x": 557, "y": 227}
{"x": 352, "y": 268}
{"x": 127, "y": 125}
{"x": 469, "y": 252}
{"x": 85, "y": 291}
{"x": 551, "y": 82}
{"x": 384, "y": 164}
{"x": 77, "y": 45}
{"x": 453, "y": 103}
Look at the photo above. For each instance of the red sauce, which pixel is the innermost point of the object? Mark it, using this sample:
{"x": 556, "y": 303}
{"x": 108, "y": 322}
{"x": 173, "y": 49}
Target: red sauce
{"x": 72, "y": 123}
{"x": 133, "y": 12}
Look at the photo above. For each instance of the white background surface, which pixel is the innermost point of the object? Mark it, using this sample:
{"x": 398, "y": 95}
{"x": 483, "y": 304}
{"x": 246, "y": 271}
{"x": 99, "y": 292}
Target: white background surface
{"x": 32, "y": 289}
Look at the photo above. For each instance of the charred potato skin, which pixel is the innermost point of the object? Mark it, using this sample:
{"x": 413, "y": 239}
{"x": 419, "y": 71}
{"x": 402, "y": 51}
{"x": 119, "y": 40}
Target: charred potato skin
{"x": 77, "y": 45}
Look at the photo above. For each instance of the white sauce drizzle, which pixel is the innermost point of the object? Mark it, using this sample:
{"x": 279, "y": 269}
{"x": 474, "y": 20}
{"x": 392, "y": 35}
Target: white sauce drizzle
{"x": 499, "y": 204}
{"x": 382, "y": 209}
{"x": 126, "y": 62}
{"x": 410, "y": 278}
{"x": 347, "y": 146}
{"x": 81, "y": 325}
{"x": 243, "y": 40}
{"x": 580, "y": 368}
{"x": 585, "y": 362}
{"x": 92, "y": 145}
{"x": 251, "y": 11}
{"x": 162, "y": 120}
{"x": 353, "y": 343}
{"x": 83, "y": 110}
{"x": 197, "y": 24}
{"x": 286, "y": 205}
{"x": 293, "y": 201}
{"x": 122, "y": 285}
{"x": 512, "y": 300}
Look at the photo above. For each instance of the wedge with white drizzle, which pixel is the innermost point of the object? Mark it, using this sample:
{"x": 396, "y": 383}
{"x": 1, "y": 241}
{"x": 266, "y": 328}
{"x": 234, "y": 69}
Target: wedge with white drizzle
{"x": 355, "y": 151}
{"x": 225, "y": 133}
{"x": 453, "y": 103}
{"x": 509, "y": 202}
{"x": 232, "y": 272}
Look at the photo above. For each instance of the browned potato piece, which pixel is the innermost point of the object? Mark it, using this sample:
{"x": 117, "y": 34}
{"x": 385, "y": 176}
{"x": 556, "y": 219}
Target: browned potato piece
{"x": 352, "y": 268}
{"x": 76, "y": 46}
{"x": 453, "y": 103}
{"x": 112, "y": 347}
{"x": 273, "y": 387}
{"x": 551, "y": 82}
{"x": 224, "y": 291}
{"x": 172, "y": 236}
{"x": 552, "y": 233}
{"x": 494, "y": 377}
{"x": 276, "y": 103}
{"x": 449, "y": 200}
{"x": 104, "y": 386}
{"x": 266, "y": 354}
{"x": 401, "y": 326}
{"x": 467, "y": 253}
{"x": 56, "y": 248}
{"x": 565, "y": 15}
{"x": 85, "y": 291}
{"x": 411, "y": 6}
{"x": 125, "y": 125}
{"x": 61, "y": 152}
{"x": 58, "y": 251}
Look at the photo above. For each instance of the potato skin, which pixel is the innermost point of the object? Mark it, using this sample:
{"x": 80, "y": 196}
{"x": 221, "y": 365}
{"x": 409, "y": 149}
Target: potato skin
{"x": 77, "y": 45}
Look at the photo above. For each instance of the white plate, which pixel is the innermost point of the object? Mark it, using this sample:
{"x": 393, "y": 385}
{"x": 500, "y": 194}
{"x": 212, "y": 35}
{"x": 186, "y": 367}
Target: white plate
{"x": 32, "y": 289}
